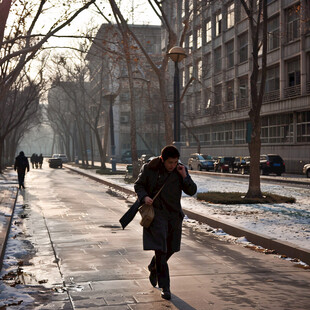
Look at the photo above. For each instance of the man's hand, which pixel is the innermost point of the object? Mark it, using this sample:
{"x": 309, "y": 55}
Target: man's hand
{"x": 148, "y": 200}
{"x": 181, "y": 169}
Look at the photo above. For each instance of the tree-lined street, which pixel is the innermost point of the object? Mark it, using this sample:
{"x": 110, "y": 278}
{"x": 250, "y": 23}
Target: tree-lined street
{"x": 80, "y": 258}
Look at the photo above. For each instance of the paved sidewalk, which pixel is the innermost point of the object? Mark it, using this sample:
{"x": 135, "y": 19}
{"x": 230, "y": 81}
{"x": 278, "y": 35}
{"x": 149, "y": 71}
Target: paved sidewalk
{"x": 104, "y": 267}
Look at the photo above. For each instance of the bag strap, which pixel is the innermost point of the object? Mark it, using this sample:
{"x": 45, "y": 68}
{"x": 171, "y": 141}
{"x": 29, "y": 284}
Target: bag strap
{"x": 161, "y": 188}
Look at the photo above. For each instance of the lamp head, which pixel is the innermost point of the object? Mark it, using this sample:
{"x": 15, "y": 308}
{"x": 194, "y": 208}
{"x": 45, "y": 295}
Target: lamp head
{"x": 177, "y": 53}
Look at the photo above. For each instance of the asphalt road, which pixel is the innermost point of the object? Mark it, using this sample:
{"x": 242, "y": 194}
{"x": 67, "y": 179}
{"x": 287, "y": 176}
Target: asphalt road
{"x": 79, "y": 257}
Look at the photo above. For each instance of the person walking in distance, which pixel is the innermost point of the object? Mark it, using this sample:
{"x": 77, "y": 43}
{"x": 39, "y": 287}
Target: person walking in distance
{"x": 164, "y": 234}
{"x": 21, "y": 164}
{"x": 40, "y": 160}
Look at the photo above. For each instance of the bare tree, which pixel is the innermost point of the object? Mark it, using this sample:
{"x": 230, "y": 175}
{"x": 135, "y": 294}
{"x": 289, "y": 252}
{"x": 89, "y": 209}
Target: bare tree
{"x": 257, "y": 16}
{"x": 19, "y": 45}
{"x": 22, "y": 107}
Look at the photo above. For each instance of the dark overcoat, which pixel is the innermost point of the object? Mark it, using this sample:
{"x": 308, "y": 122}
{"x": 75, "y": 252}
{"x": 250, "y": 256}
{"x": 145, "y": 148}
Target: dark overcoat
{"x": 167, "y": 206}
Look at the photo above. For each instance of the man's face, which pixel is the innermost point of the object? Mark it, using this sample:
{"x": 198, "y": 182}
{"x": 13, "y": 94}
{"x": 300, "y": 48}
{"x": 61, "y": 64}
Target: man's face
{"x": 170, "y": 164}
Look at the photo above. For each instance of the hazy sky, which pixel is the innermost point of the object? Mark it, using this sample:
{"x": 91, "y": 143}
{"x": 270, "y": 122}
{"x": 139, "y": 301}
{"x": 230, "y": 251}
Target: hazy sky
{"x": 136, "y": 11}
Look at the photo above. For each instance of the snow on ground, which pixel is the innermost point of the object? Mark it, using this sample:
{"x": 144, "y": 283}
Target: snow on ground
{"x": 285, "y": 222}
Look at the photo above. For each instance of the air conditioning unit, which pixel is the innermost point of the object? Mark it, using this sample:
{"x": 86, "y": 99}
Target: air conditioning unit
{"x": 124, "y": 119}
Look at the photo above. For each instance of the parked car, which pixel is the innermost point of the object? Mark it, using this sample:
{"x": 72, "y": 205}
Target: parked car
{"x": 245, "y": 165}
{"x": 306, "y": 170}
{"x": 63, "y": 157}
{"x": 223, "y": 164}
{"x": 127, "y": 158}
{"x": 55, "y": 163}
{"x": 236, "y": 165}
{"x": 200, "y": 162}
{"x": 271, "y": 163}
{"x": 144, "y": 158}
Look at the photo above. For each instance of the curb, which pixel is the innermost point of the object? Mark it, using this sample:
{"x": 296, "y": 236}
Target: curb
{"x": 6, "y": 229}
{"x": 281, "y": 247}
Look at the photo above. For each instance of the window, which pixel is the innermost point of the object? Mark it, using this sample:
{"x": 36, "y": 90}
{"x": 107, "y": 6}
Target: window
{"x": 231, "y": 15}
{"x": 230, "y": 91}
{"x": 190, "y": 42}
{"x": 293, "y": 72}
{"x": 218, "y": 24}
{"x": 208, "y": 31}
{"x": 207, "y": 66}
{"x": 199, "y": 38}
{"x": 222, "y": 134}
{"x": 208, "y": 98}
{"x": 243, "y": 13}
{"x": 243, "y": 92}
{"x": 218, "y": 94}
{"x": 272, "y": 79}
{"x": 230, "y": 54}
{"x": 303, "y": 126}
{"x": 243, "y": 47}
{"x": 217, "y": 60}
{"x": 190, "y": 71}
{"x": 199, "y": 69}
{"x": 273, "y": 33}
{"x": 240, "y": 133}
{"x": 277, "y": 128}
{"x": 293, "y": 23}
{"x": 183, "y": 8}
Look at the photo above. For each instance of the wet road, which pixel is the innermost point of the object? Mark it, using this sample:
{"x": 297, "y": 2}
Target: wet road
{"x": 80, "y": 258}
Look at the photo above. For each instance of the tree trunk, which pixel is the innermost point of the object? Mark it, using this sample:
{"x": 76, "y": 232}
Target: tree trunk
{"x": 254, "y": 190}
{"x": 100, "y": 149}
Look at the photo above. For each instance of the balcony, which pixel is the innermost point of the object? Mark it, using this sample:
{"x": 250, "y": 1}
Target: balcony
{"x": 242, "y": 102}
{"x": 292, "y": 91}
{"x": 229, "y": 105}
{"x": 308, "y": 88}
{"x": 272, "y": 96}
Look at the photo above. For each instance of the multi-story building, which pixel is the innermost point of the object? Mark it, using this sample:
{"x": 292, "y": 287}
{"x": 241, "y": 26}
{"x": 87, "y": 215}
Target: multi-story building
{"x": 109, "y": 75}
{"x": 217, "y": 103}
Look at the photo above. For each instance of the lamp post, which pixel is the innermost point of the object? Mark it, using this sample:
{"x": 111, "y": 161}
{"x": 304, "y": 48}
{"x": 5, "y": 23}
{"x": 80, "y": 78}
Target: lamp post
{"x": 177, "y": 54}
{"x": 110, "y": 97}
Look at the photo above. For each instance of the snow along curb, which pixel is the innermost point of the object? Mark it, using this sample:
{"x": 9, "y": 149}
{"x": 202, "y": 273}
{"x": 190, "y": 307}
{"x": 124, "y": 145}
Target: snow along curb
{"x": 4, "y": 234}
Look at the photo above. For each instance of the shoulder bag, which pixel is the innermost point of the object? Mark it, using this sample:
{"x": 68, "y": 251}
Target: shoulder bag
{"x": 147, "y": 211}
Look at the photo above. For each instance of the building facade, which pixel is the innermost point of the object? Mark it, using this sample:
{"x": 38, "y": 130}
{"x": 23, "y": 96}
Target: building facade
{"x": 216, "y": 105}
{"x": 109, "y": 75}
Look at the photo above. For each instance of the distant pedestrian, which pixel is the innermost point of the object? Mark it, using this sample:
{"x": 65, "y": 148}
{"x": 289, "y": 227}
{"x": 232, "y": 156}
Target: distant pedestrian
{"x": 36, "y": 160}
{"x": 164, "y": 234}
{"x": 40, "y": 160}
{"x": 21, "y": 164}
{"x": 32, "y": 159}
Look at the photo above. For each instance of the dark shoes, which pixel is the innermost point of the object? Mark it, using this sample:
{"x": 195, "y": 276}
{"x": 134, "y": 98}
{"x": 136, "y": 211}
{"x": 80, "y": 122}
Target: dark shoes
{"x": 153, "y": 275}
{"x": 165, "y": 293}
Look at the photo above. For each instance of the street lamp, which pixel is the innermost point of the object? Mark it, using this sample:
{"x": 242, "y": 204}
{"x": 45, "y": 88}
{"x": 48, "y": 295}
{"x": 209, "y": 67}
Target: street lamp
{"x": 177, "y": 54}
{"x": 110, "y": 97}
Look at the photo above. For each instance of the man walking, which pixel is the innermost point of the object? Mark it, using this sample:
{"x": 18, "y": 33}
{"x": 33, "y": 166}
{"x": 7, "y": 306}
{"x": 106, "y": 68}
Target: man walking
{"x": 164, "y": 234}
{"x": 21, "y": 164}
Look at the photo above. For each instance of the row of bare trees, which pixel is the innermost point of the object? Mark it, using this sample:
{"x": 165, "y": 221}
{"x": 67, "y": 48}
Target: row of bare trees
{"x": 75, "y": 111}
{"x": 22, "y": 37}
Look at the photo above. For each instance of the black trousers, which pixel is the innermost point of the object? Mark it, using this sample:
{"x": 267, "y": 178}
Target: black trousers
{"x": 21, "y": 178}
{"x": 160, "y": 262}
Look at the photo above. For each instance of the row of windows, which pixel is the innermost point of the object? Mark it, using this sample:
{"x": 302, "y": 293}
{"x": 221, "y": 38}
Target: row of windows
{"x": 204, "y": 68}
{"x": 239, "y": 91}
{"x": 213, "y": 28}
{"x": 275, "y": 129}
